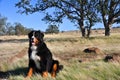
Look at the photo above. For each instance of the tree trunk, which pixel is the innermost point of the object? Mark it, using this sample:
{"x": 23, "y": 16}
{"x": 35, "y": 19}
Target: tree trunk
{"x": 89, "y": 29}
{"x": 82, "y": 29}
{"x": 81, "y": 25}
{"x": 83, "y": 32}
{"x": 107, "y": 30}
{"x": 88, "y": 32}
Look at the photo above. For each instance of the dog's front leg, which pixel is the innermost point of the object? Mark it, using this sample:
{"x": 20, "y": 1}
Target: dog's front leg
{"x": 30, "y": 72}
{"x": 47, "y": 66}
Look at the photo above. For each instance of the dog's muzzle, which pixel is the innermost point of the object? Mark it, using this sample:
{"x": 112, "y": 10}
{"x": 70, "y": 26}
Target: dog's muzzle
{"x": 32, "y": 41}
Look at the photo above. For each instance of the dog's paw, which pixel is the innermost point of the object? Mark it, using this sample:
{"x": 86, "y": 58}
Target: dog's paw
{"x": 45, "y": 74}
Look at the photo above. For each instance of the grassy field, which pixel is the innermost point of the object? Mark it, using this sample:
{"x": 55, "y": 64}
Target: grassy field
{"x": 68, "y": 49}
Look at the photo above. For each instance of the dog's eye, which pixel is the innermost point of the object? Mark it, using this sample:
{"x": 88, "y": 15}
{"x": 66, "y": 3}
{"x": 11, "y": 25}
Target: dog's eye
{"x": 36, "y": 35}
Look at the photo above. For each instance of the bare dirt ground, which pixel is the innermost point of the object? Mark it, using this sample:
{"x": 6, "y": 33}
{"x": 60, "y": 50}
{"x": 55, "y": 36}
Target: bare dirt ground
{"x": 12, "y": 48}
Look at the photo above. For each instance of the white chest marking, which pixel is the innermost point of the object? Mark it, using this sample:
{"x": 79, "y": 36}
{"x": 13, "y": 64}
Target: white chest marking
{"x": 35, "y": 57}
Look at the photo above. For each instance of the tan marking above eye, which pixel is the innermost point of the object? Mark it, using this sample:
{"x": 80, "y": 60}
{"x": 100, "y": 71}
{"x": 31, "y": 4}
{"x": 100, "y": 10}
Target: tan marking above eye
{"x": 36, "y": 41}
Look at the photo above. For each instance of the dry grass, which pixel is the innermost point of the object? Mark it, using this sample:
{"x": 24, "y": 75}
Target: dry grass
{"x": 12, "y": 37}
{"x": 68, "y": 48}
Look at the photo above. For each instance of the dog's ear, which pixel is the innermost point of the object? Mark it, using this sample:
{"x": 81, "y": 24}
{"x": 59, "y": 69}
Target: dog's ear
{"x": 42, "y": 34}
{"x": 30, "y": 34}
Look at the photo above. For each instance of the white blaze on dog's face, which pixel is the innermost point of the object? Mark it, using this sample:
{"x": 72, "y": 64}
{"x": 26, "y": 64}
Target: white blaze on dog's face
{"x": 34, "y": 40}
{"x": 35, "y": 37}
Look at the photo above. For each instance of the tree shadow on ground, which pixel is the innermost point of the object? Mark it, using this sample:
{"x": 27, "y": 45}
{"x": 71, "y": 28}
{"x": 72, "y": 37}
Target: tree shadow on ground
{"x": 18, "y": 71}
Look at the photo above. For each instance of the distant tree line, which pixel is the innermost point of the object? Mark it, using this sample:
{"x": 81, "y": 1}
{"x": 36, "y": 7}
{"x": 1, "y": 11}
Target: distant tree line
{"x": 52, "y": 29}
{"x": 6, "y": 28}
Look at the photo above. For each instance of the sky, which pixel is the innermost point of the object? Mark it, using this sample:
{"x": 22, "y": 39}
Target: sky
{"x": 8, "y": 9}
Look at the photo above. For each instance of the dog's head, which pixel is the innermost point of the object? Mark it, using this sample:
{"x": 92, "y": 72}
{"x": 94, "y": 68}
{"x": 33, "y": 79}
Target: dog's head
{"x": 35, "y": 37}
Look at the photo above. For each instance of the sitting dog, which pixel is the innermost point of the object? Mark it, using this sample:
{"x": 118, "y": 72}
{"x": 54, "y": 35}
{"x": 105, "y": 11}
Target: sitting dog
{"x": 40, "y": 57}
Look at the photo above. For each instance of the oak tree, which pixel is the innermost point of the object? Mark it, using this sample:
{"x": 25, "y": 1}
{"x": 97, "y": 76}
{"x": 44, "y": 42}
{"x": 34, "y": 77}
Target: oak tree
{"x": 77, "y": 11}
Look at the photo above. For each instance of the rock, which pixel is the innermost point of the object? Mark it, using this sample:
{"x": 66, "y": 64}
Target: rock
{"x": 92, "y": 50}
{"x": 112, "y": 57}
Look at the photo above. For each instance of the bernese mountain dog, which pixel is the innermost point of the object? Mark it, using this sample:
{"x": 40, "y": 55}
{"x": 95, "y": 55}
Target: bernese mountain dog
{"x": 40, "y": 57}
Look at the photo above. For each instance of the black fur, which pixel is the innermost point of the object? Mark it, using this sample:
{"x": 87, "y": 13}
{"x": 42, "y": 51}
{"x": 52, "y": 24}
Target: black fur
{"x": 46, "y": 60}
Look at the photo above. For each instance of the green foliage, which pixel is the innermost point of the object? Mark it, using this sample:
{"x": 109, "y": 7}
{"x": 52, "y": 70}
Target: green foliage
{"x": 110, "y": 11}
{"x": 52, "y": 29}
{"x": 10, "y": 30}
{"x": 2, "y": 24}
{"x": 21, "y": 30}
{"x": 77, "y": 11}
{"x": 7, "y": 28}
